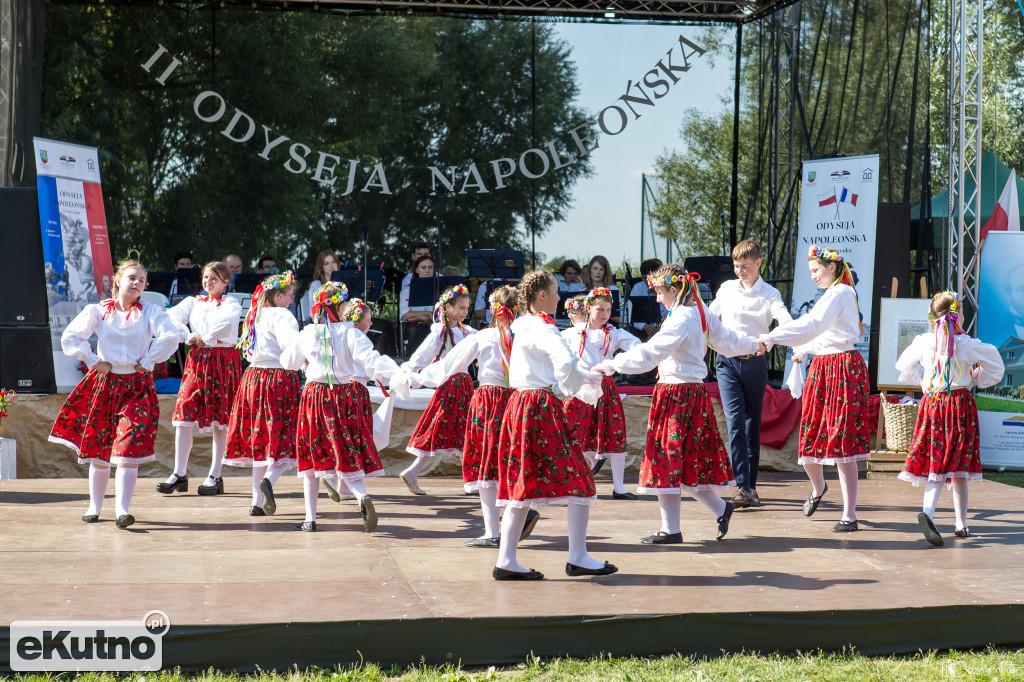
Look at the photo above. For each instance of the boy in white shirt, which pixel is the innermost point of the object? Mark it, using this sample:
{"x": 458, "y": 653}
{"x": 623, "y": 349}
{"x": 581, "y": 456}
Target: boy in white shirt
{"x": 748, "y": 305}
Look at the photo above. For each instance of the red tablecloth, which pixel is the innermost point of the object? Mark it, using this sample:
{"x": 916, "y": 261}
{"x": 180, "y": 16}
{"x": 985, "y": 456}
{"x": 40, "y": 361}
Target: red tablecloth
{"x": 779, "y": 416}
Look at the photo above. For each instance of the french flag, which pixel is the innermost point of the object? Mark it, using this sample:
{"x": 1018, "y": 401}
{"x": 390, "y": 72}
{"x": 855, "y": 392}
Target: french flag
{"x": 1006, "y": 216}
{"x": 826, "y": 199}
{"x": 848, "y": 197}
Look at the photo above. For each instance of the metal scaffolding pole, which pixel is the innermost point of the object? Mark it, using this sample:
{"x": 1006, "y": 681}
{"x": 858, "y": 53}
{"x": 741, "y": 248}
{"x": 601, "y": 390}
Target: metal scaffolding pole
{"x": 6, "y": 90}
{"x": 965, "y": 63}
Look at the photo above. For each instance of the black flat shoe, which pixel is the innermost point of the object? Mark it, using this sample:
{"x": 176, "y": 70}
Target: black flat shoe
{"x": 532, "y": 517}
{"x": 369, "y": 514}
{"x": 125, "y": 520}
{"x": 624, "y": 496}
{"x": 845, "y": 527}
{"x": 256, "y": 511}
{"x": 484, "y": 542}
{"x": 180, "y": 485}
{"x": 597, "y": 466}
{"x": 269, "y": 505}
{"x": 964, "y": 532}
{"x": 663, "y": 538}
{"x": 502, "y": 574}
{"x": 811, "y": 503}
{"x": 332, "y": 492}
{"x": 91, "y": 518}
{"x": 308, "y": 526}
{"x": 723, "y": 520}
{"x": 931, "y": 533}
{"x": 216, "y": 489}
{"x": 572, "y": 570}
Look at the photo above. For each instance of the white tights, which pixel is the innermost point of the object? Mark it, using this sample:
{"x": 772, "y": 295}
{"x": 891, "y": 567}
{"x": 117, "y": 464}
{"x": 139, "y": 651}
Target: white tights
{"x": 847, "y": 481}
{"x": 183, "y": 439}
{"x": 310, "y": 490}
{"x": 708, "y": 498}
{"x": 124, "y": 487}
{"x": 414, "y": 469}
{"x": 99, "y": 475}
{"x": 489, "y": 507}
{"x": 578, "y": 515}
{"x": 932, "y": 489}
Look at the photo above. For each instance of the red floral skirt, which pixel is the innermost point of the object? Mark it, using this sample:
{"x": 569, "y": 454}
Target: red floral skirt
{"x": 161, "y": 371}
{"x": 608, "y": 430}
{"x": 110, "y": 417}
{"x": 834, "y": 410}
{"x": 263, "y": 418}
{"x": 579, "y": 417}
{"x": 537, "y": 463}
{"x": 335, "y": 431}
{"x": 684, "y": 448}
{"x": 442, "y": 426}
{"x": 946, "y": 442}
{"x": 208, "y": 386}
{"x": 483, "y": 428}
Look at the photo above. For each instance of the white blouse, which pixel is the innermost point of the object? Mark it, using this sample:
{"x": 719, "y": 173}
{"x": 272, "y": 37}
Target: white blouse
{"x": 595, "y": 350}
{"x": 678, "y": 348}
{"x": 425, "y": 354}
{"x": 145, "y": 337}
{"x": 276, "y": 330}
{"x": 350, "y": 352}
{"x": 484, "y": 347}
{"x": 216, "y": 325}
{"x": 541, "y": 359}
{"x": 920, "y": 363}
{"x": 830, "y": 327}
{"x": 752, "y": 310}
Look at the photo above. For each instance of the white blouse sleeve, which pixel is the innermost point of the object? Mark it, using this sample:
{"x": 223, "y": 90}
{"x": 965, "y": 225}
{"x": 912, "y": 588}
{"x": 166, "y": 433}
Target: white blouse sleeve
{"x": 645, "y": 356}
{"x": 829, "y": 309}
{"x": 458, "y": 360}
{"x": 987, "y": 357}
{"x": 294, "y": 355}
{"x": 570, "y": 379}
{"x": 727, "y": 342}
{"x": 75, "y": 339}
{"x": 165, "y": 338}
{"x": 180, "y": 315}
{"x": 778, "y": 309}
{"x": 911, "y": 361}
{"x": 378, "y": 367}
{"x": 286, "y": 329}
{"x": 224, "y": 320}
{"x": 622, "y": 340}
{"x": 427, "y": 351}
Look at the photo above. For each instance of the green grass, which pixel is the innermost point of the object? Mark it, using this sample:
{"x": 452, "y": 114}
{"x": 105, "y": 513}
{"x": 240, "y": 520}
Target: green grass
{"x": 993, "y": 664}
{"x": 987, "y": 403}
{"x": 1014, "y": 478}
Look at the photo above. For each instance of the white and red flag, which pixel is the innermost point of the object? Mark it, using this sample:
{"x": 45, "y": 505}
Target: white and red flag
{"x": 1006, "y": 215}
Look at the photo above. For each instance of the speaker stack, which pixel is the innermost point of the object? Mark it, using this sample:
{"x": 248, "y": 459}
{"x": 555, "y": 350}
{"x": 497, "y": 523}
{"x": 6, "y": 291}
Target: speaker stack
{"x": 26, "y": 354}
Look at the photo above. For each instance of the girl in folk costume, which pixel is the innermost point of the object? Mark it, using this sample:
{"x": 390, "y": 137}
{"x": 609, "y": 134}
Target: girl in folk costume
{"x": 111, "y": 416}
{"x": 946, "y": 363}
{"x": 210, "y": 378}
{"x": 575, "y": 310}
{"x": 538, "y": 464}
{"x": 442, "y": 426}
{"x": 833, "y": 417}
{"x": 490, "y": 349}
{"x": 684, "y": 451}
{"x": 261, "y": 430}
{"x": 335, "y": 432}
{"x": 601, "y": 430}
{"x": 577, "y": 413}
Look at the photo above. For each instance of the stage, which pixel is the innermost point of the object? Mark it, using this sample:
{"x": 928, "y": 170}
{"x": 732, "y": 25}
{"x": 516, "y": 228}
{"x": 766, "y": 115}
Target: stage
{"x": 243, "y": 592}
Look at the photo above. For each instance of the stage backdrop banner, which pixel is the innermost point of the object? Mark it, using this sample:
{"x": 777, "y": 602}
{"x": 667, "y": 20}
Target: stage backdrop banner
{"x": 76, "y": 247}
{"x": 838, "y": 209}
{"x": 1001, "y": 323}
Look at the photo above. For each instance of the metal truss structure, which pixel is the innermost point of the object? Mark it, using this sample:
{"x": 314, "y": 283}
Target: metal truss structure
{"x": 965, "y": 68}
{"x": 6, "y": 90}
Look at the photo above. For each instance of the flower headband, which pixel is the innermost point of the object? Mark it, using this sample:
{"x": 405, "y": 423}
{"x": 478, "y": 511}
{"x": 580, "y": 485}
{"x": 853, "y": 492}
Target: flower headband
{"x": 340, "y": 295}
{"x": 357, "y": 307}
{"x": 457, "y": 290}
{"x": 573, "y": 304}
{"x": 493, "y": 302}
{"x": 666, "y": 281}
{"x": 825, "y": 253}
{"x": 596, "y": 293}
{"x": 954, "y": 307}
{"x": 279, "y": 281}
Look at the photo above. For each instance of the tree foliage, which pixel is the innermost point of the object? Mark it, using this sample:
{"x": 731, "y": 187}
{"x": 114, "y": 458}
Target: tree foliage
{"x": 406, "y": 92}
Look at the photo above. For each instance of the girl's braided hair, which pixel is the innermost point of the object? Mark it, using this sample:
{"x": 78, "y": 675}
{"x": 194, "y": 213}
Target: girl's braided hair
{"x": 531, "y": 285}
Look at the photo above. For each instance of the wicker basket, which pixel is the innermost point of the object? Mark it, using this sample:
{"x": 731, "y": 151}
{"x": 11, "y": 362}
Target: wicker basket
{"x": 900, "y": 420}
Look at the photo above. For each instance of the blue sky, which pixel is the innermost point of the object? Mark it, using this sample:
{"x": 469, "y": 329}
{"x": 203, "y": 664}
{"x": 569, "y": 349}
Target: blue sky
{"x": 605, "y": 217}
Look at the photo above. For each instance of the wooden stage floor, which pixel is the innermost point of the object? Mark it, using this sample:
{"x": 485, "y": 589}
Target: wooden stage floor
{"x": 243, "y": 591}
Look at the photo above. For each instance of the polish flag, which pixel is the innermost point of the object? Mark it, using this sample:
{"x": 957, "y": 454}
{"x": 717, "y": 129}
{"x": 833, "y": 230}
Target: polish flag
{"x": 826, "y": 199}
{"x": 1006, "y": 216}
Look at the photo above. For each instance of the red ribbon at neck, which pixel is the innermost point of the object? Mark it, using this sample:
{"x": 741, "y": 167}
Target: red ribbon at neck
{"x": 547, "y": 318}
{"x": 110, "y": 308}
{"x": 210, "y": 298}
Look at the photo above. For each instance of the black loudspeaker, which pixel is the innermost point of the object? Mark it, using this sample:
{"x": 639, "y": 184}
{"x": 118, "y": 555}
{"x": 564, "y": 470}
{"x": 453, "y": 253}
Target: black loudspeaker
{"x": 21, "y": 259}
{"x": 892, "y": 259}
{"x": 26, "y": 360}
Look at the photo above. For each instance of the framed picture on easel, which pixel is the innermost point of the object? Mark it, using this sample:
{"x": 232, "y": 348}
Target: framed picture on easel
{"x": 901, "y": 320}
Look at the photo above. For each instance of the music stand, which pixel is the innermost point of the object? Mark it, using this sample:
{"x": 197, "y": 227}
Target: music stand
{"x": 354, "y": 279}
{"x": 492, "y": 284}
{"x": 424, "y": 291}
{"x": 645, "y": 310}
{"x": 713, "y": 270}
{"x": 246, "y": 282}
{"x": 495, "y": 263}
{"x": 189, "y": 284}
{"x": 160, "y": 282}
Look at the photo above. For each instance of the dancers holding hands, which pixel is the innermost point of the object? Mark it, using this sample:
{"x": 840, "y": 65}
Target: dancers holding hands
{"x": 538, "y": 465}
{"x": 442, "y": 426}
{"x": 684, "y": 451}
{"x": 111, "y": 416}
{"x": 946, "y": 363}
{"x": 210, "y": 378}
{"x": 833, "y": 414}
{"x": 335, "y": 426}
{"x": 261, "y": 430}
